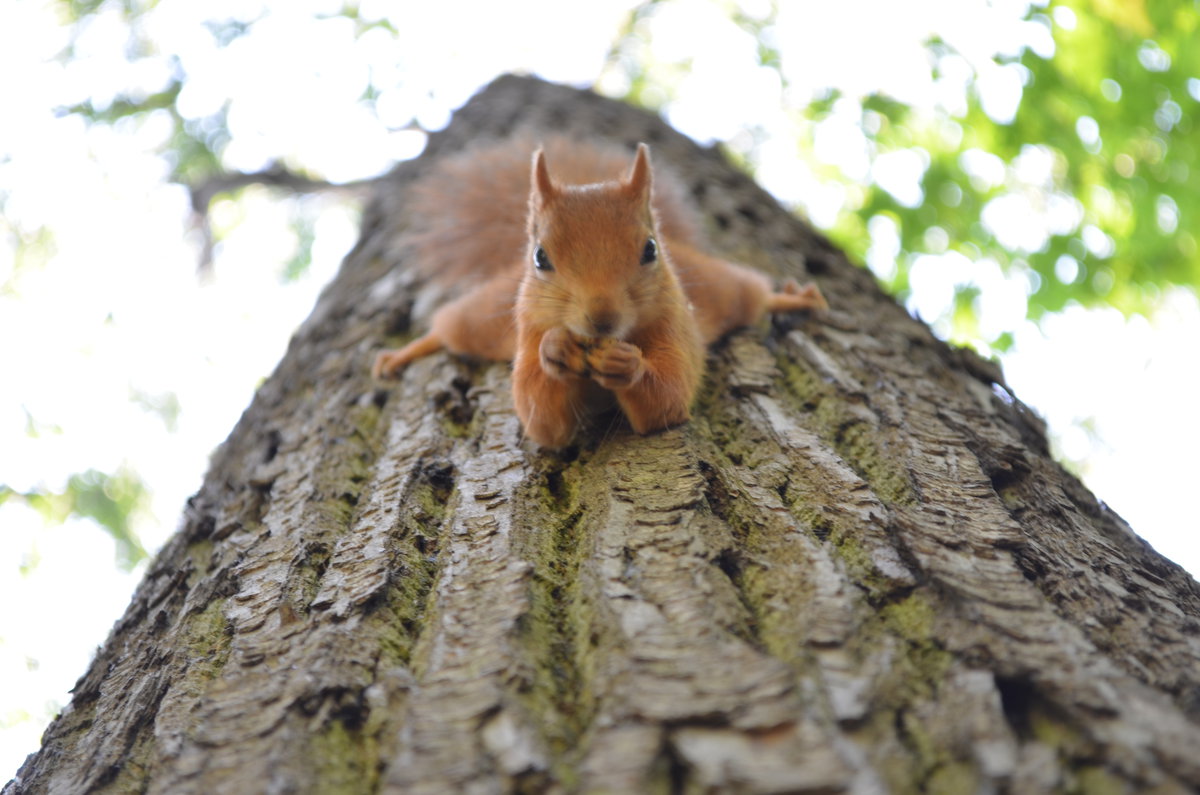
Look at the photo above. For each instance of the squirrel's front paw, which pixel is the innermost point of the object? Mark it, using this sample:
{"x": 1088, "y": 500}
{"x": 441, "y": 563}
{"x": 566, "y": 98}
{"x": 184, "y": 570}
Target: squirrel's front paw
{"x": 561, "y": 355}
{"x": 615, "y": 364}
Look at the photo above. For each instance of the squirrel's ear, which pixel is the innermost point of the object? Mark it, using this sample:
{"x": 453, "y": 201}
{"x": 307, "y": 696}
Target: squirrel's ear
{"x": 543, "y": 187}
{"x": 638, "y": 182}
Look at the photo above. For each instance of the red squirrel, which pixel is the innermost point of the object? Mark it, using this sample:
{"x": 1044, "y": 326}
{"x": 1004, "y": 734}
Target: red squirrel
{"x": 590, "y": 281}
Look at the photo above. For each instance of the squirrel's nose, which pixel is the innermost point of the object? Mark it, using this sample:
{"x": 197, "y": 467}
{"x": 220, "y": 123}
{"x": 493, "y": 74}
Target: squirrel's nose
{"x": 603, "y": 327}
{"x": 603, "y": 318}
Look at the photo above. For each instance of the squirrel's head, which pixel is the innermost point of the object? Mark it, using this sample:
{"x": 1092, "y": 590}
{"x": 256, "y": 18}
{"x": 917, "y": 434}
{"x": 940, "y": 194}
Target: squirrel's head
{"x": 595, "y": 264}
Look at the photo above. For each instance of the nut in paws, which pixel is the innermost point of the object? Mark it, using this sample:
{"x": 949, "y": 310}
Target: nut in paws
{"x": 615, "y": 364}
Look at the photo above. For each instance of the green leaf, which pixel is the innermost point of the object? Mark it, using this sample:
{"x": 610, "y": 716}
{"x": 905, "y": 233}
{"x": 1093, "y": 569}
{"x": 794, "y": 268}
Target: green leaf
{"x": 110, "y": 500}
{"x": 302, "y": 227}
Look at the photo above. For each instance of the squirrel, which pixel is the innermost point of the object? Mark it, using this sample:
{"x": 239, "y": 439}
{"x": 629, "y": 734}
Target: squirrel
{"x": 591, "y": 281}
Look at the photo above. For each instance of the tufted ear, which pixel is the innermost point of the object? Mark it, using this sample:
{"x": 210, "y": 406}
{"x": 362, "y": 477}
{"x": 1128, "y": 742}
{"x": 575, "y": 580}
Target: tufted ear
{"x": 638, "y": 182}
{"x": 543, "y": 187}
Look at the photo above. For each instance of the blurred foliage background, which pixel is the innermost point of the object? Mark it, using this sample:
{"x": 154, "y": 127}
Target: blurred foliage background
{"x": 1098, "y": 160}
{"x": 1069, "y": 159}
{"x": 995, "y": 163}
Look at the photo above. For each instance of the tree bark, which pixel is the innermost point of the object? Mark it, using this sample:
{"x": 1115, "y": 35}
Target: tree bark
{"x": 856, "y": 570}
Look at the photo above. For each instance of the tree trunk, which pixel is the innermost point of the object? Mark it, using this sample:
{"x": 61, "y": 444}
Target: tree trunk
{"x": 857, "y": 569}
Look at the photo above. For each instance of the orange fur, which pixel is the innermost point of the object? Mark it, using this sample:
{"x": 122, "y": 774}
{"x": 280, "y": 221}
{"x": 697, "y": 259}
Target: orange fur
{"x": 614, "y": 295}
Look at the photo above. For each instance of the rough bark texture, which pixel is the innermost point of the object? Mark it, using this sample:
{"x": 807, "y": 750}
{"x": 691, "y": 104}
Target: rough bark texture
{"x": 857, "y": 569}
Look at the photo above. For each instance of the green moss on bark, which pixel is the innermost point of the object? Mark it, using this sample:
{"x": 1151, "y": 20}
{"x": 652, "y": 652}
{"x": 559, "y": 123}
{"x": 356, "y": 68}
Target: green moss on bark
{"x": 840, "y": 423}
{"x": 208, "y": 640}
{"x": 416, "y": 547}
{"x": 344, "y": 760}
{"x": 556, "y": 629}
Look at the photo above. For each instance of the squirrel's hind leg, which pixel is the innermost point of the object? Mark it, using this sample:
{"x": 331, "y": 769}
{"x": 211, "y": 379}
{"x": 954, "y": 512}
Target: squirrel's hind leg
{"x": 479, "y": 323}
{"x": 389, "y": 363}
{"x": 792, "y": 297}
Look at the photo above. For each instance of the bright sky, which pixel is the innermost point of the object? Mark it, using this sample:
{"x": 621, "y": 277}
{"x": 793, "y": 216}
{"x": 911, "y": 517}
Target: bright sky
{"x": 113, "y": 317}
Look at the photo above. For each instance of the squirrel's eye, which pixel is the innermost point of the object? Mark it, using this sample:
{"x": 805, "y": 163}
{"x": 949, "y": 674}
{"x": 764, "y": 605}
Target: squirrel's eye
{"x": 650, "y": 252}
{"x": 541, "y": 260}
